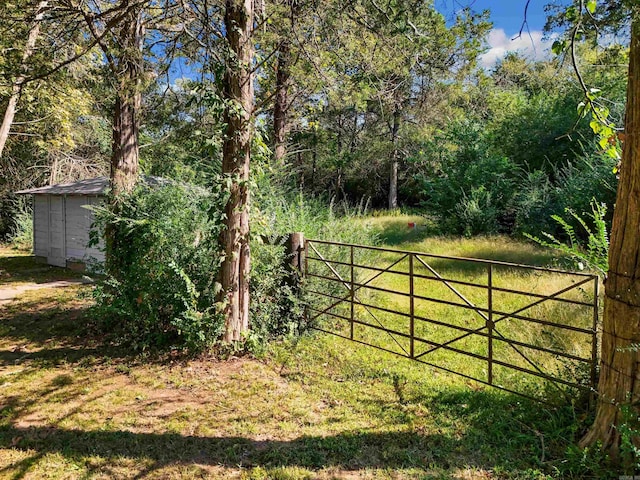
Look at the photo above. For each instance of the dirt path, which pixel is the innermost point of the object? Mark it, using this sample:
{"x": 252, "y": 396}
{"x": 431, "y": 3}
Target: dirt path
{"x": 9, "y": 293}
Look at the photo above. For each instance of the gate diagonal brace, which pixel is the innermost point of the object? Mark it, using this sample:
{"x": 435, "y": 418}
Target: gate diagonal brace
{"x": 345, "y": 283}
{"x": 453, "y": 289}
{"x": 485, "y": 317}
{"x": 504, "y": 317}
{"x": 348, "y": 287}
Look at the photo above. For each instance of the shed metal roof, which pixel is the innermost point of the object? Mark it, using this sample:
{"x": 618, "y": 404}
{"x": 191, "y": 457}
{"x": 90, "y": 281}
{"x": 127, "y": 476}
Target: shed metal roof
{"x": 89, "y": 186}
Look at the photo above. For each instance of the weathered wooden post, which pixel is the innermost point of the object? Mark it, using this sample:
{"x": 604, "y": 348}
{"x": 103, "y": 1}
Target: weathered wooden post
{"x": 296, "y": 267}
{"x": 295, "y": 256}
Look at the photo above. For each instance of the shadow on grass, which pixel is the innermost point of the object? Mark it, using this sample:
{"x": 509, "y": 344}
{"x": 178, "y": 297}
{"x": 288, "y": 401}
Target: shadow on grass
{"x": 45, "y": 331}
{"x": 25, "y": 268}
{"x": 350, "y": 450}
{"x": 398, "y": 233}
{"x": 498, "y": 433}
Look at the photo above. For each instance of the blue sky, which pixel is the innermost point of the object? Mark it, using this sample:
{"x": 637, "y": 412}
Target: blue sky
{"x": 507, "y": 17}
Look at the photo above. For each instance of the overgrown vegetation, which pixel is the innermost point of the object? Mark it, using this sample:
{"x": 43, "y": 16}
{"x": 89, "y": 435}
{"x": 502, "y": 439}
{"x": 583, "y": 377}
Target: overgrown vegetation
{"x": 360, "y": 103}
{"x": 316, "y": 407}
{"x": 22, "y": 236}
{"x": 161, "y": 283}
{"x": 592, "y": 253}
{"x": 160, "y": 289}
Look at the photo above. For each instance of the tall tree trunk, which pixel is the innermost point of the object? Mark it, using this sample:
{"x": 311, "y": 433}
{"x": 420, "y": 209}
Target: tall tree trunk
{"x": 124, "y": 142}
{"x": 16, "y": 89}
{"x": 281, "y": 103}
{"x": 393, "y": 164}
{"x": 238, "y": 91}
{"x": 619, "y": 382}
{"x": 283, "y": 85}
{"x": 124, "y": 151}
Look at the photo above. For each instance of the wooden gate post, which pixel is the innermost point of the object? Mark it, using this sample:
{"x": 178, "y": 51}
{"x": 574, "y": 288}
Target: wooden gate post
{"x": 296, "y": 265}
{"x": 295, "y": 255}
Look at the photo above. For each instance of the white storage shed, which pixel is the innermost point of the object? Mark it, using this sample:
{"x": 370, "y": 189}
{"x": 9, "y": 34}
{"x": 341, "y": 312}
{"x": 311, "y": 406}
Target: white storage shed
{"x": 62, "y": 222}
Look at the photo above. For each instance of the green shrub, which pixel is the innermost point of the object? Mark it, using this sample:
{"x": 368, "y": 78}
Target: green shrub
{"x": 161, "y": 287}
{"x": 469, "y": 190}
{"x": 592, "y": 252}
{"x": 277, "y": 306}
{"x": 160, "y": 291}
{"x": 476, "y": 213}
{"x": 534, "y": 203}
{"x": 592, "y": 176}
{"x": 574, "y": 188}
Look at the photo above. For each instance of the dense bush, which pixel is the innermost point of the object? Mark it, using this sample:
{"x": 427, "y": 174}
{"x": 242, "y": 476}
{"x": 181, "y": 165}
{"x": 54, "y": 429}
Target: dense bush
{"x": 473, "y": 190}
{"x": 161, "y": 286}
{"x": 160, "y": 290}
{"x": 576, "y": 187}
{"x": 470, "y": 190}
{"x": 276, "y": 306}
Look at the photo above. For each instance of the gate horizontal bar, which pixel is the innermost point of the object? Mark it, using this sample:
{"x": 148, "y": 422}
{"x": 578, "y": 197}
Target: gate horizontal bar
{"x": 457, "y": 282}
{"x": 499, "y": 338}
{"x": 504, "y": 315}
{"x": 462, "y": 259}
{"x": 562, "y": 326}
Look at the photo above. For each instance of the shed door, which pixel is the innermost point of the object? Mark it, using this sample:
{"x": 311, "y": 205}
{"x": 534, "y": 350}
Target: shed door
{"x": 56, "y": 232}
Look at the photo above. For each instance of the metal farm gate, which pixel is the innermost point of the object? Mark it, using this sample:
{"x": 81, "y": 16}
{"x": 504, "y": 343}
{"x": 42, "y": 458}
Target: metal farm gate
{"x": 501, "y": 324}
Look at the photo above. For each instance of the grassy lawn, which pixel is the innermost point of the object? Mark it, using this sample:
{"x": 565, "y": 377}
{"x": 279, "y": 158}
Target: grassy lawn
{"x": 322, "y": 407}
{"x": 17, "y": 267}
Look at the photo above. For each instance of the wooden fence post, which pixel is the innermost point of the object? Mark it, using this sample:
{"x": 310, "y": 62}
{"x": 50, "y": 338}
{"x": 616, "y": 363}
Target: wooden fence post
{"x": 295, "y": 255}
{"x": 296, "y": 266}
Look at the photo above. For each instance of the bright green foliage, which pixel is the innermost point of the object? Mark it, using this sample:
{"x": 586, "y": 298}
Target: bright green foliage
{"x": 585, "y": 22}
{"x": 469, "y": 189}
{"x": 573, "y": 187}
{"x": 531, "y": 116}
{"x": 182, "y": 133}
{"x": 592, "y": 253}
{"x": 276, "y": 302}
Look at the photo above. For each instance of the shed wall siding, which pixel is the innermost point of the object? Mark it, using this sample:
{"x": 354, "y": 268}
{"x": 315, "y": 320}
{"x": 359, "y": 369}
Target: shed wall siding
{"x": 78, "y": 225}
{"x": 57, "y": 231}
{"x": 63, "y": 222}
{"x": 41, "y": 225}
{"x": 97, "y": 252}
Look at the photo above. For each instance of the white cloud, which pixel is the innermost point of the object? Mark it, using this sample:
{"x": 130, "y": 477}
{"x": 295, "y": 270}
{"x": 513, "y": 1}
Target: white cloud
{"x": 530, "y": 45}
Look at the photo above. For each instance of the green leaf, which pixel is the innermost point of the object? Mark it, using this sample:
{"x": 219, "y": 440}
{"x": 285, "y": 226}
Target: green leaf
{"x": 604, "y": 143}
{"x": 591, "y": 5}
{"x": 582, "y": 111}
{"x": 558, "y": 47}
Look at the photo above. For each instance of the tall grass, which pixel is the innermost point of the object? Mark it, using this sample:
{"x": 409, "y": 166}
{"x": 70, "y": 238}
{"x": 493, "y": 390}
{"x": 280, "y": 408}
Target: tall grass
{"x": 340, "y": 222}
{"x": 22, "y": 236}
